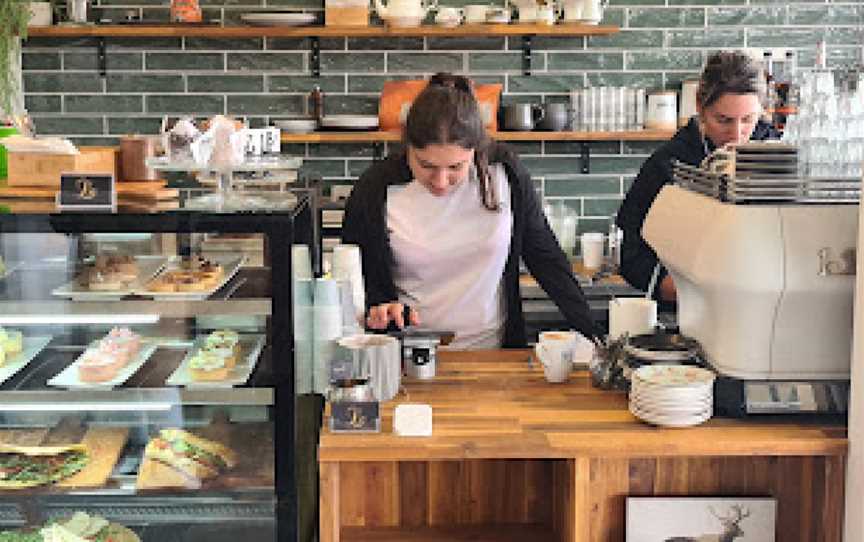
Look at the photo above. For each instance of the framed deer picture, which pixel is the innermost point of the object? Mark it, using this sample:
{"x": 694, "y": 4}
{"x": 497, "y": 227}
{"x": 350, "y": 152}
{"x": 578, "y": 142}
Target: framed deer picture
{"x": 700, "y": 519}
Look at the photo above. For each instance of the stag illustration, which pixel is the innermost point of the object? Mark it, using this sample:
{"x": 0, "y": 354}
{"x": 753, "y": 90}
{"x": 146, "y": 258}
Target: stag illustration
{"x": 731, "y": 529}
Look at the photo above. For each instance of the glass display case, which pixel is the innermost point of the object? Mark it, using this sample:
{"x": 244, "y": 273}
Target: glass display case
{"x": 146, "y": 376}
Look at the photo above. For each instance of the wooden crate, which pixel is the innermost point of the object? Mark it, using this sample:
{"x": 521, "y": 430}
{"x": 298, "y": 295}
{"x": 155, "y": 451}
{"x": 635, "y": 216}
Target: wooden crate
{"x": 35, "y": 169}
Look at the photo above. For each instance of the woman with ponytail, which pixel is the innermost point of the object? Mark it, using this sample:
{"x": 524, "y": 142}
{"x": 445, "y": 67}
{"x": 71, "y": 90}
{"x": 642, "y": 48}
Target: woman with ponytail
{"x": 443, "y": 224}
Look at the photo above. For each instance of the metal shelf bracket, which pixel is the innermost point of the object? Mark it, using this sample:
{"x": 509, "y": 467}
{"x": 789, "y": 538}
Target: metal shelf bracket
{"x": 526, "y": 54}
{"x": 377, "y": 151}
{"x": 585, "y": 156}
{"x": 315, "y": 56}
{"x": 101, "y": 56}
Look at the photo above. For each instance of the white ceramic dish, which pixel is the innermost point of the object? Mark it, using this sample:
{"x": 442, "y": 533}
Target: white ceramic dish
{"x": 297, "y": 126}
{"x": 685, "y": 376}
{"x": 148, "y": 266}
{"x": 31, "y": 346}
{"x": 278, "y": 19}
{"x": 671, "y": 420}
{"x": 68, "y": 377}
{"x": 250, "y": 350}
{"x": 350, "y": 122}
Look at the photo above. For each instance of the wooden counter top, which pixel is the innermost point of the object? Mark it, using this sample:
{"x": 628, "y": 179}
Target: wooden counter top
{"x": 491, "y": 404}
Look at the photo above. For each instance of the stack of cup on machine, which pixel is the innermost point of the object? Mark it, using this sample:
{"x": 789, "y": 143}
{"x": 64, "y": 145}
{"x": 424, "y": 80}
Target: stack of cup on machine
{"x": 302, "y": 283}
{"x": 327, "y": 325}
{"x": 347, "y": 268}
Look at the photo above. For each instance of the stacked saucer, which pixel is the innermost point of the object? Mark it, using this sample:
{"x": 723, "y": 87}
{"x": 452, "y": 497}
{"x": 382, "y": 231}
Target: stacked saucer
{"x": 672, "y": 395}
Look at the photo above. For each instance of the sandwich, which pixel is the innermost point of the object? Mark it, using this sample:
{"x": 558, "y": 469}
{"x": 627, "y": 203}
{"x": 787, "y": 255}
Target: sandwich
{"x": 196, "y": 458}
{"x": 31, "y": 466}
{"x": 81, "y": 527}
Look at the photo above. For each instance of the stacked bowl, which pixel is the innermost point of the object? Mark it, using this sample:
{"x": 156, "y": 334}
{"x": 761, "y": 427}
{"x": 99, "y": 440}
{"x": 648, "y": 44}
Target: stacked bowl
{"x": 672, "y": 395}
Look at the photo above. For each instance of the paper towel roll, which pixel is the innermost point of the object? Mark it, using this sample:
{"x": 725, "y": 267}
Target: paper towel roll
{"x": 631, "y": 315}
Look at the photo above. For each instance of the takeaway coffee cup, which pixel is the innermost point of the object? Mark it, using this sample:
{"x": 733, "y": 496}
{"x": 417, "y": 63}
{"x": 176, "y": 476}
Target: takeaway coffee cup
{"x": 592, "y": 250}
{"x": 555, "y": 350}
{"x": 631, "y": 315}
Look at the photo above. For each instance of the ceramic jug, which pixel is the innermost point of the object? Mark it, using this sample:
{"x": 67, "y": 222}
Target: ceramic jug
{"x": 404, "y": 12}
{"x": 522, "y": 117}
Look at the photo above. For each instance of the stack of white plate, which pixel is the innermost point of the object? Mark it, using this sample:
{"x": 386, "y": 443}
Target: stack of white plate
{"x": 672, "y": 395}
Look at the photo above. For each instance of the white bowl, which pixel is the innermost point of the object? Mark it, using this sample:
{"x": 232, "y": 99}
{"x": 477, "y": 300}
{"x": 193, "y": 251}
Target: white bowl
{"x": 297, "y": 126}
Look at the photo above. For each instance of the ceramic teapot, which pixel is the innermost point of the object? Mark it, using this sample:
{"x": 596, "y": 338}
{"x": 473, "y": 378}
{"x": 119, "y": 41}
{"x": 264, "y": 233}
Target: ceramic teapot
{"x": 404, "y": 12}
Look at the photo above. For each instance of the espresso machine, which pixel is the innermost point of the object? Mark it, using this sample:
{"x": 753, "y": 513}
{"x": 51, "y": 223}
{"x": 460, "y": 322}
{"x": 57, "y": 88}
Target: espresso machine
{"x": 764, "y": 270}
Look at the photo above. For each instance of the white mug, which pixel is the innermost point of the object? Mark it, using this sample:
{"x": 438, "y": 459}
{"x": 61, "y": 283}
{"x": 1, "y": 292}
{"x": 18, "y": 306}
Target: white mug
{"x": 662, "y": 112}
{"x": 546, "y": 15}
{"x": 527, "y": 14}
{"x": 631, "y": 315}
{"x": 447, "y": 16}
{"x": 572, "y": 10}
{"x": 476, "y": 13}
{"x": 555, "y": 351}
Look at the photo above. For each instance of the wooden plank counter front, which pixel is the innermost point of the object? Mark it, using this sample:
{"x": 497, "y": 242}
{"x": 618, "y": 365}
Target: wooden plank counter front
{"x": 513, "y": 458}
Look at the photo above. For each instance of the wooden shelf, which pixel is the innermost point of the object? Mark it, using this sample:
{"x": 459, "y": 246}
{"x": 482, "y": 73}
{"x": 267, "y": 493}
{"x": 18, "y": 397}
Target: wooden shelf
{"x": 465, "y": 533}
{"x": 389, "y": 136}
{"x": 155, "y": 31}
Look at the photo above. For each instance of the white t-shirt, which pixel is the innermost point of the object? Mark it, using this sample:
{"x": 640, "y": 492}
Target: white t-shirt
{"x": 450, "y": 252}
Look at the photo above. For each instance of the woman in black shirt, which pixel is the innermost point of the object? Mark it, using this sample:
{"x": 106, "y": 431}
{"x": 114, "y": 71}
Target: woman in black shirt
{"x": 728, "y": 103}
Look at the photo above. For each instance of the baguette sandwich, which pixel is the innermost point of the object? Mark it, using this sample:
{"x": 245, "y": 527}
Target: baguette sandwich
{"x": 31, "y": 466}
{"x": 195, "y": 457}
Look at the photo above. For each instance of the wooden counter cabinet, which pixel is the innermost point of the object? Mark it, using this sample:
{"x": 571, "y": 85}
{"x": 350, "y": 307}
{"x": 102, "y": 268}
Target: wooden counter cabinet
{"x": 515, "y": 458}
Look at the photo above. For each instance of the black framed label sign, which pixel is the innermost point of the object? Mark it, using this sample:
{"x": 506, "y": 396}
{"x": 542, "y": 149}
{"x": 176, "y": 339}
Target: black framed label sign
{"x": 87, "y": 192}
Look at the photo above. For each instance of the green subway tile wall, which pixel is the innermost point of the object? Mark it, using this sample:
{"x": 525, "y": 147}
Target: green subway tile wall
{"x": 661, "y": 43}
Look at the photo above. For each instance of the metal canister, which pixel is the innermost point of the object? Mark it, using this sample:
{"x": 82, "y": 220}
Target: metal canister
{"x": 419, "y": 355}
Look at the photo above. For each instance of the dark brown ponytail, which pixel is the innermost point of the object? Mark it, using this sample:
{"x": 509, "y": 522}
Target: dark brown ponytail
{"x": 447, "y": 113}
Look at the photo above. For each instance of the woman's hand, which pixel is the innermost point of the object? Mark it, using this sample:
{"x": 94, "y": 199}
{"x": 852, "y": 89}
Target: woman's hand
{"x": 380, "y": 316}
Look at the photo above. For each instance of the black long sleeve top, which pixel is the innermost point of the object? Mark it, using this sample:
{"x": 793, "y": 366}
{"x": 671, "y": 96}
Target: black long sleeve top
{"x": 638, "y": 259}
{"x": 532, "y": 240}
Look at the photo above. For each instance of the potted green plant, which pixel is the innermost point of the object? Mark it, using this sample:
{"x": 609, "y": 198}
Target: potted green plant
{"x": 14, "y": 16}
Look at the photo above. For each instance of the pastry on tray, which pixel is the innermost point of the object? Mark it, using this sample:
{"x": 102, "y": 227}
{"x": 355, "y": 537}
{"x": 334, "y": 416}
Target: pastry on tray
{"x": 109, "y": 273}
{"x": 193, "y": 274}
{"x": 11, "y": 341}
{"x": 208, "y": 366}
{"x": 103, "y": 361}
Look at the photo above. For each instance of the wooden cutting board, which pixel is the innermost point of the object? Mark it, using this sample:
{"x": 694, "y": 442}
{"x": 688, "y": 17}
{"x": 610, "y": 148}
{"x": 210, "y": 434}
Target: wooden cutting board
{"x": 253, "y": 443}
{"x": 104, "y": 446}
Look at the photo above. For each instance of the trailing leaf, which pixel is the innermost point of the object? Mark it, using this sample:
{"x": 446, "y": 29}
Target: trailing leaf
{"x": 14, "y": 16}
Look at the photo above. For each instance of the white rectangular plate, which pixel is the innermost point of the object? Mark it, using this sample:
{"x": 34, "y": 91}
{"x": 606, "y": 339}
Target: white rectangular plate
{"x": 148, "y": 266}
{"x": 250, "y": 349}
{"x": 68, "y": 377}
{"x": 14, "y": 363}
{"x": 230, "y": 266}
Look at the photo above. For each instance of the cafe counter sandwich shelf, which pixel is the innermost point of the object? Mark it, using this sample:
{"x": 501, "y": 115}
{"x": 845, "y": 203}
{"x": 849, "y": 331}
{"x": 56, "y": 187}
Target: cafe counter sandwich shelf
{"x": 144, "y": 366}
{"x": 514, "y": 458}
